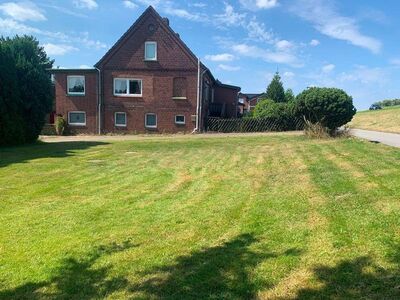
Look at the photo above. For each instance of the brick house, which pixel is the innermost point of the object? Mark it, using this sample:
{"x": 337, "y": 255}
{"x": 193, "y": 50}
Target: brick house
{"x": 149, "y": 81}
{"x": 248, "y": 102}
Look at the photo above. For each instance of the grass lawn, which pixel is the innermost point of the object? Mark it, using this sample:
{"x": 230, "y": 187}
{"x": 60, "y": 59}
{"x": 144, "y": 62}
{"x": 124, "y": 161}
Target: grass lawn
{"x": 387, "y": 120}
{"x": 263, "y": 217}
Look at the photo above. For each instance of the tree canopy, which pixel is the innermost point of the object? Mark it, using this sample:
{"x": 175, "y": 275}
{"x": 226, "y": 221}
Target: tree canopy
{"x": 25, "y": 89}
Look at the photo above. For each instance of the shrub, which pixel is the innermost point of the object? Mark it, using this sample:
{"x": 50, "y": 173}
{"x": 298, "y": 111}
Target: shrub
{"x": 60, "y": 124}
{"x": 330, "y": 107}
{"x": 280, "y": 113}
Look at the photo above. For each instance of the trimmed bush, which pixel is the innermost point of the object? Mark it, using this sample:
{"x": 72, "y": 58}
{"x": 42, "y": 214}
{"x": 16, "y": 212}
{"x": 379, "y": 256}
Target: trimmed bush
{"x": 282, "y": 113}
{"x": 330, "y": 107}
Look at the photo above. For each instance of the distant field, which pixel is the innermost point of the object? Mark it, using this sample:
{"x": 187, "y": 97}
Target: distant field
{"x": 259, "y": 217}
{"x": 387, "y": 120}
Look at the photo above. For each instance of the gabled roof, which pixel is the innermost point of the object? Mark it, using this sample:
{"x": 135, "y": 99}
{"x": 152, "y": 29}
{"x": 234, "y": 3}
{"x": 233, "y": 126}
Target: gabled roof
{"x": 252, "y": 96}
{"x": 149, "y": 11}
{"x": 233, "y": 87}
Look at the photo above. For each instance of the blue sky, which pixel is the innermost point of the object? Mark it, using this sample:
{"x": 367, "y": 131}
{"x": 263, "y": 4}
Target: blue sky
{"x": 352, "y": 45}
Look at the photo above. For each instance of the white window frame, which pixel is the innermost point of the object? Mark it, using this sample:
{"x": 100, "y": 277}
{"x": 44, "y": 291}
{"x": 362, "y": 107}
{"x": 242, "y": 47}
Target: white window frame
{"x": 76, "y": 93}
{"x": 76, "y": 112}
{"x": 180, "y": 123}
{"x": 145, "y": 51}
{"x": 115, "y": 119}
{"x": 127, "y": 87}
{"x": 145, "y": 120}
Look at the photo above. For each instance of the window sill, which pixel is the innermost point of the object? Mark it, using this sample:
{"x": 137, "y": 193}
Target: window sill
{"x": 179, "y": 98}
{"x": 180, "y": 124}
{"x": 150, "y": 60}
{"x": 151, "y": 127}
{"x": 77, "y": 125}
{"x": 75, "y": 95}
{"x": 120, "y": 126}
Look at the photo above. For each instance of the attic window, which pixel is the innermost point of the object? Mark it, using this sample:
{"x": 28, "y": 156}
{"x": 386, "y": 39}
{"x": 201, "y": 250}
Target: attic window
{"x": 150, "y": 51}
{"x": 151, "y": 27}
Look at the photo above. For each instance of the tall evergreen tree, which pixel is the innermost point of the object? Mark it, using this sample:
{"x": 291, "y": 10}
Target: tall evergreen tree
{"x": 34, "y": 88}
{"x": 275, "y": 90}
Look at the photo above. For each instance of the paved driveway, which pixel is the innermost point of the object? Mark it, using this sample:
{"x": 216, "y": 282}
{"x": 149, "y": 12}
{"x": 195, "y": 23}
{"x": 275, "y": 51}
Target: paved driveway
{"x": 391, "y": 139}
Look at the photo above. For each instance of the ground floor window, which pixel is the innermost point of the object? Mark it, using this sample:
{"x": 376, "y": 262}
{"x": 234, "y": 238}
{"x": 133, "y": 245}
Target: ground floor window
{"x": 77, "y": 118}
{"x": 151, "y": 120}
{"x": 120, "y": 119}
{"x": 180, "y": 119}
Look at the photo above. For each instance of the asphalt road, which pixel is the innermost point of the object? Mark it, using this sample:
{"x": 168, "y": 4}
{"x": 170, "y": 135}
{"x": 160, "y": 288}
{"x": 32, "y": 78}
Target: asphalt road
{"x": 391, "y": 139}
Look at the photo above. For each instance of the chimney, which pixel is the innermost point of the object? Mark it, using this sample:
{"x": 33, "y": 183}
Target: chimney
{"x": 166, "y": 21}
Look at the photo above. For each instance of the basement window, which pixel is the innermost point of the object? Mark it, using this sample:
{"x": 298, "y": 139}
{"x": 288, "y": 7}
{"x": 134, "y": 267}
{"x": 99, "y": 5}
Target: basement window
{"x": 180, "y": 120}
{"x": 76, "y": 85}
{"x": 127, "y": 87}
{"x": 151, "y": 120}
{"x": 150, "y": 51}
{"x": 120, "y": 119}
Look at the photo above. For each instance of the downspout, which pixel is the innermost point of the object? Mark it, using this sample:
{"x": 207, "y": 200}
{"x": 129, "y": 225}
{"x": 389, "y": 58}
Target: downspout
{"x": 198, "y": 96}
{"x": 99, "y": 100}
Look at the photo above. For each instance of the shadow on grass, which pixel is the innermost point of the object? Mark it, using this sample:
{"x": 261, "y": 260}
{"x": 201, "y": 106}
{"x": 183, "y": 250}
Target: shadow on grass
{"x": 76, "y": 279}
{"x": 213, "y": 273}
{"x": 23, "y": 154}
{"x": 360, "y": 278}
{"x": 225, "y": 271}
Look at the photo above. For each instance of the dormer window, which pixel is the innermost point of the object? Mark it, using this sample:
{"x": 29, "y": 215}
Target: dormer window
{"x": 150, "y": 51}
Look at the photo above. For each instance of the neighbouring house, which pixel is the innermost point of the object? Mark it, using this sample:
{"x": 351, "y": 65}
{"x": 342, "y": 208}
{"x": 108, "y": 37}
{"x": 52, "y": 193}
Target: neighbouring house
{"x": 149, "y": 81}
{"x": 248, "y": 102}
{"x": 254, "y": 99}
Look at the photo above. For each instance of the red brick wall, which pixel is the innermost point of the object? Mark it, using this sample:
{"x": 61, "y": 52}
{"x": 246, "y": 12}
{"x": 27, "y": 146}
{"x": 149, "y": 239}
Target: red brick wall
{"x": 88, "y": 103}
{"x": 228, "y": 96}
{"x": 157, "y": 93}
{"x": 130, "y": 54}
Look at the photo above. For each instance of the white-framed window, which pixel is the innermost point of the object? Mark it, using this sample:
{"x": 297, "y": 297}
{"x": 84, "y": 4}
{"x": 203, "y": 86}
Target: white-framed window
{"x": 76, "y": 85}
{"x": 150, "y": 120}
{"x": 77, "y": 118}
{"x": 128, "y": 87}
{"x": 120, "y": 119}
{"x": 150, "y": 50}
{"x": 180, "y": 119}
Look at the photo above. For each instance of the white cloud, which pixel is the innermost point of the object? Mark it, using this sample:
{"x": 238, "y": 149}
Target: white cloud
{"x": 86, "y": 4}
{"x": 259, "y": 4}
{"x": 220, "y": 57}
{"x": 257, "y": 31}
{"x": 85, "y": 67}
{"x": 325, "y": 18}
{"x": 314, "y": 43}
{"x": 22, "y": 11}
{"x": 328, "y": 68}
{"x": 365, "y": 75}
{"x": 9, "y": 27}
{"x": 267, "y": 55}
{"x": 284, "y": 45}
{"x": 129, "y": 4}
{"x": 58, "y": 50}
{"x": 288, "y": 74}
{"x": 228, "y": 68}
{"x": 395, "y": 62}
{"x": 199, "y": 5}
{"x": 229, "y": 17}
